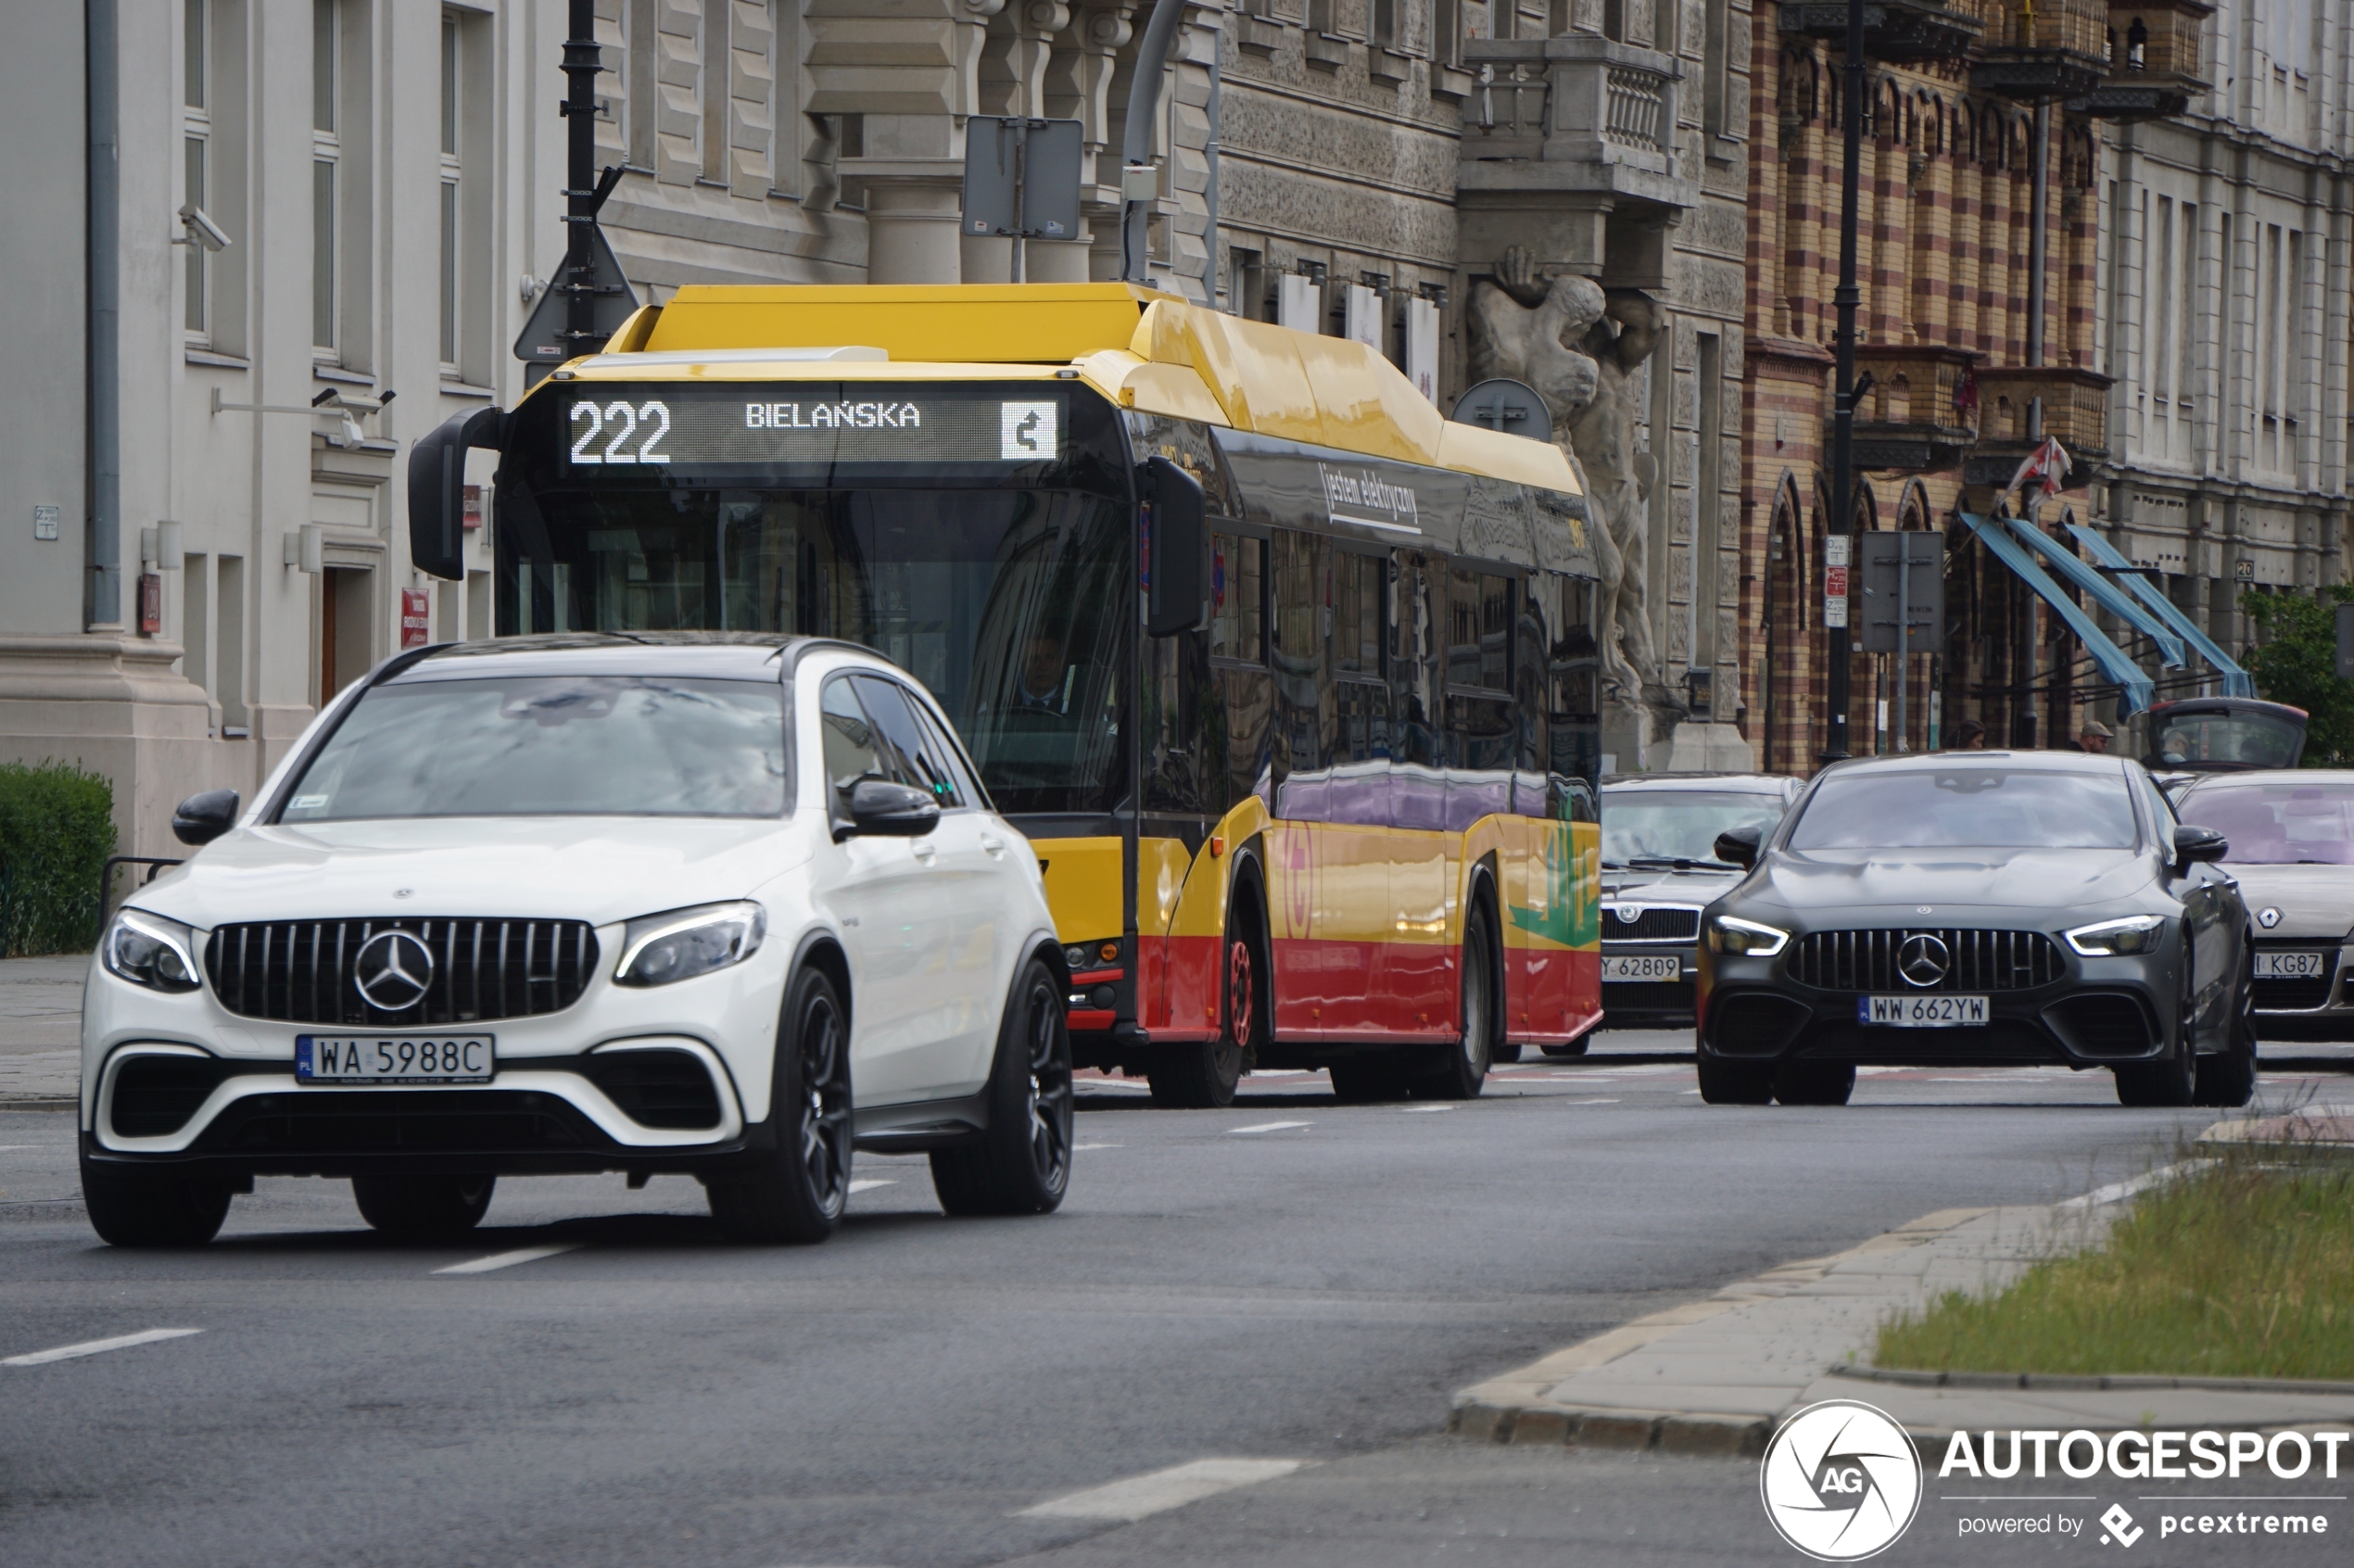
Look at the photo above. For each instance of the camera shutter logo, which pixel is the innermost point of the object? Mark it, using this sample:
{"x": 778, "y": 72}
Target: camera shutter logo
{"x": 1923, "y": 959}
{"x": 2121, "y": 1527}
{"x": 392, "y": 972}
{"x": 1841, "y": 1481}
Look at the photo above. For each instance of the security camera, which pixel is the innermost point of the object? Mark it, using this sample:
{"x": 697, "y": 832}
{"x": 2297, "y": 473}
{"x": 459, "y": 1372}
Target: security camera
{"x": 201, "y": 229}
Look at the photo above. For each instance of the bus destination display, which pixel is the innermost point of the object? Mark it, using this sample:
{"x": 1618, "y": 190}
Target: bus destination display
{"x": 620, "y": 427}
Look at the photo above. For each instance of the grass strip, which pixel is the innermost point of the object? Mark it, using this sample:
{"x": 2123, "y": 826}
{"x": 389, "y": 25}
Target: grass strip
{"x": 2243, "y": 1268}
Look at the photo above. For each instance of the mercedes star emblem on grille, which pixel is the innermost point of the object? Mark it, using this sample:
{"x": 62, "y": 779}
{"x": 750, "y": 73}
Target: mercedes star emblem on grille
{"x": 392, "y": 972}
{"x": 1923, "y": 959}
{"x": 1629, "y": 912}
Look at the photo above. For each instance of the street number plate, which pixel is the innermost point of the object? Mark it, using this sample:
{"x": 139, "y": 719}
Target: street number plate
{"x": 393, "y": 1058}
{"x": 1921, "y": 1012}
{"x": 1644, "y": 967}
{"x": 2290, "y": 966}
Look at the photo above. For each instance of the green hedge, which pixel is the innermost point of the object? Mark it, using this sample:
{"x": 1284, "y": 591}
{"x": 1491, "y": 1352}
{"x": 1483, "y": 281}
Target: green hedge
{"x": 56, "y": 830}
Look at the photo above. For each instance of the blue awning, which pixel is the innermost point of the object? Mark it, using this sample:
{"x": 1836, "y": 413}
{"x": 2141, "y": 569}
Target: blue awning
{"x": 2112, "y": 598}
{"x": 2137, "y": 687}
{"x": 2237, "y": 682}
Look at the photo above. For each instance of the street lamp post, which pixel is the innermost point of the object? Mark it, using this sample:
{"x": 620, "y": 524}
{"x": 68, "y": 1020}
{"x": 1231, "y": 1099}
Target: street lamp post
{"x": 1842, "y": 522}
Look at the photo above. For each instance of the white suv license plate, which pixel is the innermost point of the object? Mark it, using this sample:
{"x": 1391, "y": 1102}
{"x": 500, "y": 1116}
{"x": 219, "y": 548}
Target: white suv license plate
{"x": 2290, "y": 966}
{"x": 1644, "y": 967}
{"x": 394, "y": 1058}
{"x": 1921, "y": 1012}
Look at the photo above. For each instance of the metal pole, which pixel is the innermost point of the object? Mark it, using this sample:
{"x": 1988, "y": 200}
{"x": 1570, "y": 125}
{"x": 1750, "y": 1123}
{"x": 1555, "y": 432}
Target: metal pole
{"x": 581, "y": 66}
{"x": 1903, "y": 632}
{"x": 1021, "y": 179}
{"x": 1843, "y": 407}
{"x": 1136, "y": 135}
{"x": 105, "y": 536}
{"x": 2041, "y": 209}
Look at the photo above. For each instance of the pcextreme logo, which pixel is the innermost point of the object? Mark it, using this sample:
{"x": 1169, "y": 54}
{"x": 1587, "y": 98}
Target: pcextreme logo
{"x": 1841, "y": 1481}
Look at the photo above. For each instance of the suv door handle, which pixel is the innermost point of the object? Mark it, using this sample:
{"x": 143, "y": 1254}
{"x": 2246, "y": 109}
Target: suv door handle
{"x": 995, "y": 845}
{"x": 925, "y": 852}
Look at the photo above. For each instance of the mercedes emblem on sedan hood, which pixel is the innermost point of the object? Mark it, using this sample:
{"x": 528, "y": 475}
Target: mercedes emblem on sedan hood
{"x": 392, "y": 972}
{"x": 1923, "y": 959}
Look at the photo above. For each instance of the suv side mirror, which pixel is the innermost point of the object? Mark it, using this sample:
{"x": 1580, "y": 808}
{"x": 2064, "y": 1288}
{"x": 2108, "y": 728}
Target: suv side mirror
{"x": 437, "y": 491}
{"x": 1176, "y": 545}
{"x": 1737, "y": 846}
{"x": 199, "y": 819}
{"x": 2193, "y": 845}
{"x": 898, "y": 811}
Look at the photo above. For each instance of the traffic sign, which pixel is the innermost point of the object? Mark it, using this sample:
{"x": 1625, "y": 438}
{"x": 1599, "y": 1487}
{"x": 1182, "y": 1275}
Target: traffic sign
{"x": 544, "y": 340}
{"x": 1502, "y": 403}
{"x": 1022, "y": 177}
{"x": 1903, "y": 578}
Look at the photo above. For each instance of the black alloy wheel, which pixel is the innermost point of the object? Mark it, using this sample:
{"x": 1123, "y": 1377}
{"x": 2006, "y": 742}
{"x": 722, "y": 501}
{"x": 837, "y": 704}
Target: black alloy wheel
{"x": 1021, "y": 1164}
{"x": 2170, "y": 1082}
{"x": 150, "y": 1208}
{"x": 1814, "y": 1083}
{"x": 1736, "y": 1084}
{"x": 794, "y": 1191}
{"x": 2228, "y": 1078}
{"x": 1204, "y": 1076}
{"x": 423, "y": 1209}
{"x": 1462, "y": 1069}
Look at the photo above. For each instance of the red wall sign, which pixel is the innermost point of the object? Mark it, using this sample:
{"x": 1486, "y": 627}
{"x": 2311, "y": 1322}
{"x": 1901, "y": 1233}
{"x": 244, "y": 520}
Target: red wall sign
{"x": 416, "y": 625}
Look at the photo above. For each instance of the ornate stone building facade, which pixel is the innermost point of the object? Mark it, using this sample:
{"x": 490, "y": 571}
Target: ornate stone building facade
{"x": 2189, "y": 354}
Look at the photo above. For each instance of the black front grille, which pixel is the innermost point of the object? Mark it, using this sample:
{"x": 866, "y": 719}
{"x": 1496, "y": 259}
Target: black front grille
{"x": 1977, "y": 961}
{"x": 1647, "y": 996}
{"x": 2297, "y": 996}
{"x": 1755, "y": 1024}
{"x": 2104, "y": 1026}
{"x": 300, "y": 971}
{"x": 657, "y": 1088}
{"x": 1652, "y": 925}
{"x": 154, "y": 1096}
{"x": 376, "y": 1121}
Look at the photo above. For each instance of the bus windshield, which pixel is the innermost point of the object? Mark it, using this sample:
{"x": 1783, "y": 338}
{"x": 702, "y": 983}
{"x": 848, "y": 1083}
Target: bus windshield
{"x": 1001, "y": 601}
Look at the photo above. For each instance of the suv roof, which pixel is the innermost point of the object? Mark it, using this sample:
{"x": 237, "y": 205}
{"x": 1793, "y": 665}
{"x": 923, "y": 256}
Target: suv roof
{"x": 714, "y": 655}
{"x": 1749, "y": 783}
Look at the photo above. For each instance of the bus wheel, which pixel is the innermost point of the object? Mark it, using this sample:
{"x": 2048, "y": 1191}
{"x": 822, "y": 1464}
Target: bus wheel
{"x": 1201, "y": 1077}
{"x": 1459, "y": 1072}
{"x": 1508, "y": 1050}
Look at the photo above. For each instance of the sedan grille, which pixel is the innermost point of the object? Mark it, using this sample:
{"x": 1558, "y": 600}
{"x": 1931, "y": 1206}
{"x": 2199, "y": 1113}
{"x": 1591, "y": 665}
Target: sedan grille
{"x": 1976, "y": 961}
{"x": 1650, "y": 924}
{"x": 302, "y": 971}
{"x": 2301, "y": 993}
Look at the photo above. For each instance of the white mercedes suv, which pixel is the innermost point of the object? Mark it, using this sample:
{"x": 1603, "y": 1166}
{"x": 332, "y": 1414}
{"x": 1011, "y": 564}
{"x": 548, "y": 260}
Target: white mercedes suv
{"x": 721, "y": 905}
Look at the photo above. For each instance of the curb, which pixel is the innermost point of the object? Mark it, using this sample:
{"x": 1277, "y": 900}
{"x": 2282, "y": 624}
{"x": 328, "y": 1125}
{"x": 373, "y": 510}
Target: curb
{"x": 39, "y": 1102}
{"x": 1513, "y": 1409}
{"x": 2110, "y": 1383}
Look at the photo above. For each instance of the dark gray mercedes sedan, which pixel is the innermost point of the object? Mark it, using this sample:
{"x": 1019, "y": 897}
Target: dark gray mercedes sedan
{"x": 1977, "y": 909}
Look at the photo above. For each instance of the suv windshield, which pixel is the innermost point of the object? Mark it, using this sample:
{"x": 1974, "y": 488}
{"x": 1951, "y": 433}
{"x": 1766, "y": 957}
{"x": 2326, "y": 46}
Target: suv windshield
{"x": 548, "y": 745}
{"x": 1678, "y": 824}
{"x": 1966, "y": 808}
{"x": 2278, "y": 824}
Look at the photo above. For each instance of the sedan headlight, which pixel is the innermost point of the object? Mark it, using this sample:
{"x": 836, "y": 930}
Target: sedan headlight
{"x": 151, "y": 951}
{"x": 1730, "y": 933}
{"x": 683, "y": 944}
{"x": 2135, "y": 933}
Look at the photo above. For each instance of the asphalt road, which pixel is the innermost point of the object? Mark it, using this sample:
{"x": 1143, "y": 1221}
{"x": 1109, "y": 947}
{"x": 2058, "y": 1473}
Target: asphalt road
{"x": 1291, "y": 1280}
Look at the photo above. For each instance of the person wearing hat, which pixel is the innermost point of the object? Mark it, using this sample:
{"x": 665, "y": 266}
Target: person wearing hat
{"x": 2093, "y": 737}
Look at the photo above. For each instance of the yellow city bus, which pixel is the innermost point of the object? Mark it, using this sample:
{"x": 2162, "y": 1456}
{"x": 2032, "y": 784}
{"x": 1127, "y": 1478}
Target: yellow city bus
{"x": 1291, "y": 682}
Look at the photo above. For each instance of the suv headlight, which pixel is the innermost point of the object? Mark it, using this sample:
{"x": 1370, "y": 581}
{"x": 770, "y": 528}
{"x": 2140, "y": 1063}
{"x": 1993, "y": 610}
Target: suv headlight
{"x": 1730, "y": 933}
{"x": 151, "y": 951}
{"x": 683, "y": 944}
{"x": 2135, "y": 933}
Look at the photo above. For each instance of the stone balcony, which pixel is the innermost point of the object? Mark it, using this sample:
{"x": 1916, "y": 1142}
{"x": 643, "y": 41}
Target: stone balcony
{"x": 1569, "y": 145}
{"x": 1894, "y": 31}
{"x": 2075, "y": 409}
{"x": 2156, "y": 61}
{"x": 1909, "y": 421}
{"x": 2036, "y": 52}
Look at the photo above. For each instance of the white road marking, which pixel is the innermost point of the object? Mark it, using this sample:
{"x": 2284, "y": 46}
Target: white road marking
{"x": 868, "y": 1184}
{"x": 1587, "y": 1102}
{"x": 11, "y": 1148}
{"x": 1140, "y": 1496}
{"x": 1077, "y": 1148}
{"x": 1269, "y": 1127}
{"x": 96, "y": 1347}
{"x": 1424, "y": 1110}
{"x": 2117, "y": 1191}
{"x": 508, "y": 1259}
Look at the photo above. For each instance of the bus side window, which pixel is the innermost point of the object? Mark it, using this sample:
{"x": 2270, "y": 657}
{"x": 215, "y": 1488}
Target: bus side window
{"x": 1303, "y": 684}
{"x": 1479, "y": 627}
{"x": 1238, "y": 577}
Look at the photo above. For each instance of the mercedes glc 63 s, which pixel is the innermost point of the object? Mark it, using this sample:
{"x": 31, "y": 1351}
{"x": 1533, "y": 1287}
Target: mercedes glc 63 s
{"x": 1977, "y": 909}
{"x": 721, "y": 906}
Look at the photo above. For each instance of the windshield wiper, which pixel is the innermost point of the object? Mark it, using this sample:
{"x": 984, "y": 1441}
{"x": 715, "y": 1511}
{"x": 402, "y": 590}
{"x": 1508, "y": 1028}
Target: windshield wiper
{"x": 1677, "y": 863}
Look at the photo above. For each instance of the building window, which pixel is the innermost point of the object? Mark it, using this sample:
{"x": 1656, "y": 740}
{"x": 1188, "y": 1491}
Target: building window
{"x": 451, "y": 172}
{"x": 715, "y": 81}
{"x": 197, "y": 121}
{"x": 192, "y": 146}
{"x": 326, "y": 152}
